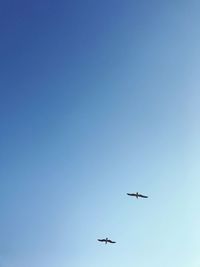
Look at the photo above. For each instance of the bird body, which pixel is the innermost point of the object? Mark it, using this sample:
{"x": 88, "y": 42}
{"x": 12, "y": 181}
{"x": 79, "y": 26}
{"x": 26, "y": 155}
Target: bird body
{"x": 106, "y": 240}
{"x": 137, "y": 195}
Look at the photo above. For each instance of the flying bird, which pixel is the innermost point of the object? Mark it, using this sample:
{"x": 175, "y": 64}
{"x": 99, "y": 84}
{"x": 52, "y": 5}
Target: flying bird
{"x": 106, "y": 240}
{"x": 137, "y": 195}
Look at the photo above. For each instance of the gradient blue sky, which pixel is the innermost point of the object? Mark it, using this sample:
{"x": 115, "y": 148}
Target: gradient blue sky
{"x": 97, "y": 99}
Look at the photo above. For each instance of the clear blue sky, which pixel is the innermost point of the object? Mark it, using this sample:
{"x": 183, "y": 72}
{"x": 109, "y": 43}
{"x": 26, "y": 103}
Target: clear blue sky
{"x": 97, "y": 99}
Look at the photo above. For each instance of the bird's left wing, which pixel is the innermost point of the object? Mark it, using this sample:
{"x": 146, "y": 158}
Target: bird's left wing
{"x": 133, "y": 195}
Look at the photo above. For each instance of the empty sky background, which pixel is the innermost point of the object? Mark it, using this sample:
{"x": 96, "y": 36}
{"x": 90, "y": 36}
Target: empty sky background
{"x": 97, "y": 99}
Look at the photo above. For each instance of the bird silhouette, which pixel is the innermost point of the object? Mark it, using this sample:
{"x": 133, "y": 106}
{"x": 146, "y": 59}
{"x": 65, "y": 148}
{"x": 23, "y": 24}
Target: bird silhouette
{"x": 137, "y": 195}
{"x": 106, "y": 240}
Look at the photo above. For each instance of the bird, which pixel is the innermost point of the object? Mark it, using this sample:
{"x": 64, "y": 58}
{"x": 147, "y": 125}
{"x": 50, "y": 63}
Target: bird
{"x": 106, "y": 240}
{"x": 137, "y": 195}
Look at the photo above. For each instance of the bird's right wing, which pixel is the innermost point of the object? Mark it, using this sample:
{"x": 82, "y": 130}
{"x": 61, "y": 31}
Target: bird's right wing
{"x": 133, "y": 195}
{"x": 143, "y": 196}
{"x": 101, "y": 240}
{"x": 110, "y": 241}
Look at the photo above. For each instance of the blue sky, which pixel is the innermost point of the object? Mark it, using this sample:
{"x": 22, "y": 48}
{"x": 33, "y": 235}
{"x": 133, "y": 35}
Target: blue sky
{"x": 97, "y": 99}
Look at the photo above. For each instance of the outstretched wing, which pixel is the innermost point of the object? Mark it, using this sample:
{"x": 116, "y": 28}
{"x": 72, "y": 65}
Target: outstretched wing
{"x": 142, "y": 196}
{"x": 110, "y": 241}
{"x": 101, "y": 240}
{"x": 133, "y": 195}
